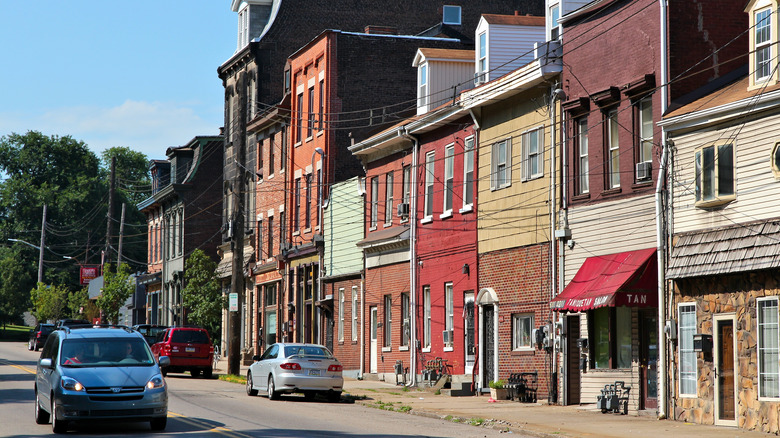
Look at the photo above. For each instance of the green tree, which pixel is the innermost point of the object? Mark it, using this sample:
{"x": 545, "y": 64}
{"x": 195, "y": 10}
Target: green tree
{"x": 117, "y": 288}
{"x": 14, "y": 286}
{"x": 78, "y": 303}
{"x": 202, "y": 295}
{"x": 49, "y": 302}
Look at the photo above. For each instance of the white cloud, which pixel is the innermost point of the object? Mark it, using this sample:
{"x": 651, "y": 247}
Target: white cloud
{"x": 148, "y": 127}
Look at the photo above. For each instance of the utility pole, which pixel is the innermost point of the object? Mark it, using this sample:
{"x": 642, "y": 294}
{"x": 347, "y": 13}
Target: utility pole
{"x": 109, "y": 222}
{"x": 43, "y": 244}
{"x": 121, "y": 234}
{"x": 237, "y": 240}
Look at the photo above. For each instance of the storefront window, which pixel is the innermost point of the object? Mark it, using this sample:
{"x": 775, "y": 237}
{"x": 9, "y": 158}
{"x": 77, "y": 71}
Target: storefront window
{"x": 611, "y": 337}
{"x": 600, "y": 338}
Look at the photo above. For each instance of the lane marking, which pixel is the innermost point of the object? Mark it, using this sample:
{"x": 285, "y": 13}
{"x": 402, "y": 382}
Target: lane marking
{"x": 19, "y": 367}
{"x": 202, "y": 424}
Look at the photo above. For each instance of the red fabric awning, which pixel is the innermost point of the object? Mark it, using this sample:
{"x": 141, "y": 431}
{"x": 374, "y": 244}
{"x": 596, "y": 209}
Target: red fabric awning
{"x": 622, "y": 279}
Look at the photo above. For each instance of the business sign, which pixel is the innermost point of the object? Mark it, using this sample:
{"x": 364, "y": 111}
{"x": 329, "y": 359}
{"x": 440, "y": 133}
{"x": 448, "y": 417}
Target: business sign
{"x": 88, "y": 273}
{"x": 233, "y": 302}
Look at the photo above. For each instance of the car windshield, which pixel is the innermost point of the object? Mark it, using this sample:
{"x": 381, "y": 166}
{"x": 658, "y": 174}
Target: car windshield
{"x": 308, "y": 350}
{"x": 189, "y": 337}
{"x": 105, "y": 352}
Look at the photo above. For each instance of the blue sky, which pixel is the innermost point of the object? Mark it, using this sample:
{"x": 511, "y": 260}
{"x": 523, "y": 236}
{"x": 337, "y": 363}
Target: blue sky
{"x": 138, "y": 73}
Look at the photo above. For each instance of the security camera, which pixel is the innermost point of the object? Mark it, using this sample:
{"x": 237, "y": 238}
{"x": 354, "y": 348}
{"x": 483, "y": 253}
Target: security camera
{"x": 570, "y": 243}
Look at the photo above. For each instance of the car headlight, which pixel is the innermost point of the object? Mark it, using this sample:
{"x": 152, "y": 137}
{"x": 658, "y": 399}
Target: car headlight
{"x": 155, "y": 382}
{"x": 71, "y": 384}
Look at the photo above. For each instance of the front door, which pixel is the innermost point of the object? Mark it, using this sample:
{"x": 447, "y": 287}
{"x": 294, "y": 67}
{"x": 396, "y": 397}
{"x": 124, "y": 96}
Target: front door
{"x": 373, "y": 353}
{"x": 489, "y": 345}
{"x": 573, "y": 354}
{"x": 648, "y": 348}
{"x": 468, "y": 332}
{"x": 725, "y": 395}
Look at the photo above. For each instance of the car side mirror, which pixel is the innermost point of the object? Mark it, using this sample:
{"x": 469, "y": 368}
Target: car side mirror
{"x": 46, "y": 363}
{"x": 256, "y": 358}
{"x": 164, "y": 361}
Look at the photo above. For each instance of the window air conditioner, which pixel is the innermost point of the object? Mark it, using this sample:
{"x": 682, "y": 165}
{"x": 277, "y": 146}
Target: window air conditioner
{"x": 403, "y": 209}
{"x": 644, "y": 170}
{"x": 446, "y": 337}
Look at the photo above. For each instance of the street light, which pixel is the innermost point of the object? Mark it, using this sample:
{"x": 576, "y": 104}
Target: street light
{"x": 40, "y": 258}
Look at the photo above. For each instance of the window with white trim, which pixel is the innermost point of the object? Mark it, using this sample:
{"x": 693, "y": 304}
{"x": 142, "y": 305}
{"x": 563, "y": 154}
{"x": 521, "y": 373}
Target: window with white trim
{"x": 686, "y": 329}
{"x": 501, "y": 165}
{"x": 451, "y": 15}
{"x": 768, "y": 348}
{"x": 388, "y": 320}
{"x": 449, "y": 312}
{"x": 533, "y": 154}
{"x": 341, "y": 314}
{"x": 555, "y": 15}
{"x": 389, "y": 197}
{"x": 468, "y": 172}
{"x": 405, "y": 320}
{"x": 429, "y": 179}
{"x": 426, "y": 317}
{"x": 449, "y": 177}
{"x": 763, "y": 44}
{"x": 354, "y": 313}
{"x": 613, "y": 150}
{"x": 714, "y": 175}
{"x": 374, "y": 201}
{"x": 422, "y": 89}
{"x": 582, "y": 155}
{"x": 522, "y": 329}
{"x": 482, "y": 59}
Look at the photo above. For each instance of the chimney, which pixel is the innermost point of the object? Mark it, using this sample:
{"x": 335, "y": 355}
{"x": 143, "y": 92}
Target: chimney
{"x": 381, "y": 30}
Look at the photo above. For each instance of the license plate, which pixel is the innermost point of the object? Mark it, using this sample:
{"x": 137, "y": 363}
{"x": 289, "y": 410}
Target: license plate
{"x": 314, "y": 372}
{"x": 190, "y": 349}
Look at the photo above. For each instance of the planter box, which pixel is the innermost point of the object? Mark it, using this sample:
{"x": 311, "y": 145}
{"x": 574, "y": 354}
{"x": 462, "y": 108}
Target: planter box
{"x": 498, "y": 394}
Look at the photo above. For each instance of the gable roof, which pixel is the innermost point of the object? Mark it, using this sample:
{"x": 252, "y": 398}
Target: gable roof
{"x": 514, "y": 20}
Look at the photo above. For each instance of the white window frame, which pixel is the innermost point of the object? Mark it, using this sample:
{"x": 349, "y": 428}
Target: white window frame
{"x": 422, "y": 88}
{"x": 707, "y": 191}
{"x": 645, "y": 112}
{"x": 449, "y": 314}
{"x": 426, "y": 319}
{"x": 582, "y": 155}
{"x": 430, "y": 169}
{"x": 773, "y": 349}
{"x": 389, "y": 178}
{"x": 555, "y": 15}
{"x": 762, "y": 39}
{"x": 685, "y": 334}
{"x": 406, "y": 183}
{"x": 468, "y": 174}
{"x": 406, "y": 323}
{"x": 354, "y": 313}
{"x": 451, "y": 20}
{"x": 449, "y": 180}
{"x": 613, "y": 149}
{"x": 532, "y": 142}
{"x": 374, "y": 202}
{"x": 501, "y": 168}
{"x": 527, "y": 320}
{"x": 341, "y": 314}
{"x": 482, "y": 53}
{"x": 387, "y": 319}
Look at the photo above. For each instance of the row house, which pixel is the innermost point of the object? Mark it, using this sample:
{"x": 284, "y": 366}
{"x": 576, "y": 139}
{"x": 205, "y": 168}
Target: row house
{"x": 724, "y": 261}
{"x": 649, "y": 56}
{"x": 182, "y": 215}
{"x": 268, "y": 32}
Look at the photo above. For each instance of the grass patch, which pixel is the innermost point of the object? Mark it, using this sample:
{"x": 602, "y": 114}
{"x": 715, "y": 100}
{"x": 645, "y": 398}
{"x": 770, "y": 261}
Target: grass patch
{"x": 14, "y": 333}
{"x": 232, "y": 378}
{"x": 476, "y": 421}
{"x": 353, "y": 397}
{"x": 390, "y": 406}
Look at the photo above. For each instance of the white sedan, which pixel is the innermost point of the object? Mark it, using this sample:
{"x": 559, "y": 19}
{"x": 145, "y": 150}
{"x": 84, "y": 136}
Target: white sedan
{"x": 295, "y": 368}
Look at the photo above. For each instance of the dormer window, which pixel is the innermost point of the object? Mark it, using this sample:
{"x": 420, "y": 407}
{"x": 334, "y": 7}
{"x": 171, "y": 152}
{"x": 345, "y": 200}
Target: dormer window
{"x": 243, "y": 28}
{"x": 763, "y": 37}
{"x": 451, "y": 15}
{"x": 555, "y": 15}
{"x": 482, "y": 58}
{"x": 422, "y": 92}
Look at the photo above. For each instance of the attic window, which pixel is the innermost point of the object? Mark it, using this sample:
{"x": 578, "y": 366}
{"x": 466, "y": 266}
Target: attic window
{"x": 451, "y": 15}
{"x": 776, "y": 160}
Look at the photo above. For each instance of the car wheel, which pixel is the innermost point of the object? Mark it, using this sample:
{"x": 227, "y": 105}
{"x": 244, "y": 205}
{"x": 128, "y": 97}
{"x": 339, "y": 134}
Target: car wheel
{"x": 334, "y": 397}
{"x": 36, "y": 347}
{"x": 158, "y": 423}
{"x": 208, "y": 372}
{"x": 30, "y": 345}
{"x": 272, "y": 394}
{"x": 57, "y": 426}
{"x": 250, "y": 391}
{"x": 41, "y": 416}
{"x": 195, "y": 373}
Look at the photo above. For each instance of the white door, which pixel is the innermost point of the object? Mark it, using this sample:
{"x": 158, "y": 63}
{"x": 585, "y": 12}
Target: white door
{"x": 373, "y": 356}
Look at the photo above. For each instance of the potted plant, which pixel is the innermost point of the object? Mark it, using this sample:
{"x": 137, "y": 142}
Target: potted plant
{"x": 497, "y": 390}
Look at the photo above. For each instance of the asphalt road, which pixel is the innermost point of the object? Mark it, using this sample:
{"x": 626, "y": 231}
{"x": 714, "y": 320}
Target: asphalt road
{"x": 213, "y": 408}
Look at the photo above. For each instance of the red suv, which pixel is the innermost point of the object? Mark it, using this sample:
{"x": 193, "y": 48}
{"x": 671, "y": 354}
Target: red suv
{"x": 189, "y": 349}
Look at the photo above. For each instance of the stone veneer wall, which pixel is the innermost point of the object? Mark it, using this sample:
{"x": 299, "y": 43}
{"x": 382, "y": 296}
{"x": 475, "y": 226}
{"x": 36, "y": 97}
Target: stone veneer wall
{"x": 728, "y": 294}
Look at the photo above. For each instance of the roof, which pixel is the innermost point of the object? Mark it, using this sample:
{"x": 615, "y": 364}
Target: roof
{"x": 385, "y": 236}
{"x": 445, "y": 54}
{"x": 514, "y": 20}
{"x": 733, "y": 92}
{"x": 739, "y": 248}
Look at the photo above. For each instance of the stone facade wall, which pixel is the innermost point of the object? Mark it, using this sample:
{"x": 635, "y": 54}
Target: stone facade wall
{"x": 735, "y": 294}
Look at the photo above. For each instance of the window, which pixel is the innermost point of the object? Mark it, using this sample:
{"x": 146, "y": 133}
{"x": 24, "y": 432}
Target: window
{"x": 270, "y": 327}
{"x": 341, "y": 314}
{"x": 613, "y": 150}
{"x": 644, "y": 124}
{"x": 555, "y": 14}
{"x": 374, "y": 200}
{"x": 389, "y": 198}
{"x": 270, "y": 239}
{"x": 451, "y": 15}
{"x": 610, "y": 337}
{"x": 319, "y": 197}
{"x": 282, "y": 230}
{"x": 449, "y": 316}
{"x": 501, "y": 165}
{"x": 429, "y": 176}
{"x": 449, "y": 177}
{"x": 297, "y": 212}
{"x": 310, "y": 126}
{"x": 468, "y": 173}
{"x": 768, "y": 348}
{"x": 482, "y": 60}
{"x": 243, "y": 28}
{"x": 283, "y": 151}
{"x": 260, "y": 150}
{"x": 522, "y": 329}
{"x": 422, "y": 92}
{"x": 427, "y": 317}
{"x": 388, "y": 320}
{"x": 533, "y": 156}
{"x": 582, "y": 154}
{"x": 270, "y": 295}
{"x": 307, "y": 212}
{"x": 763, "y": 49}
{"x": 299, "y": 132}
{"x": 354, "y": 313}
{"x": 405, "y": 321}
{"x": 322, "y": 105}
{"x": 260, "y": 246}
{"x": 271, "y": 154}
{"x": 776, "y": 160}
{"x": 714, "y": 175}
{"x": 687, "y": 328}
{"x": 406, "y": 184}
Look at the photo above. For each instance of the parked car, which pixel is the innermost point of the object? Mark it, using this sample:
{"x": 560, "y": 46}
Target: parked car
{"x": 189, "y": 349}
{"x": 150, "y": 332}
{"x": 97, "y": 374}
{"x": 71, "y": 323}
{"x": 38, "y": 336}
{"x": 295, "y": 368}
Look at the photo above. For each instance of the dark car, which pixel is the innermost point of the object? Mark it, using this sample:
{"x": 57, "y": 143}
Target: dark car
{"x": 189, "y": 349}
{"x": 38, "y": 336}
{"x": 88, "y": 374}
{"x": 71, "y": 323}
{"x": 151, "y": 332}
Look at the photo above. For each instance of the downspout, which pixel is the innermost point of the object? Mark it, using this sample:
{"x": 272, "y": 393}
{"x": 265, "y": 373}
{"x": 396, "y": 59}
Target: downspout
{"x": 412, "y": 260}
{"x": 557, "y": 96}
{"x": 659, "y": 221}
